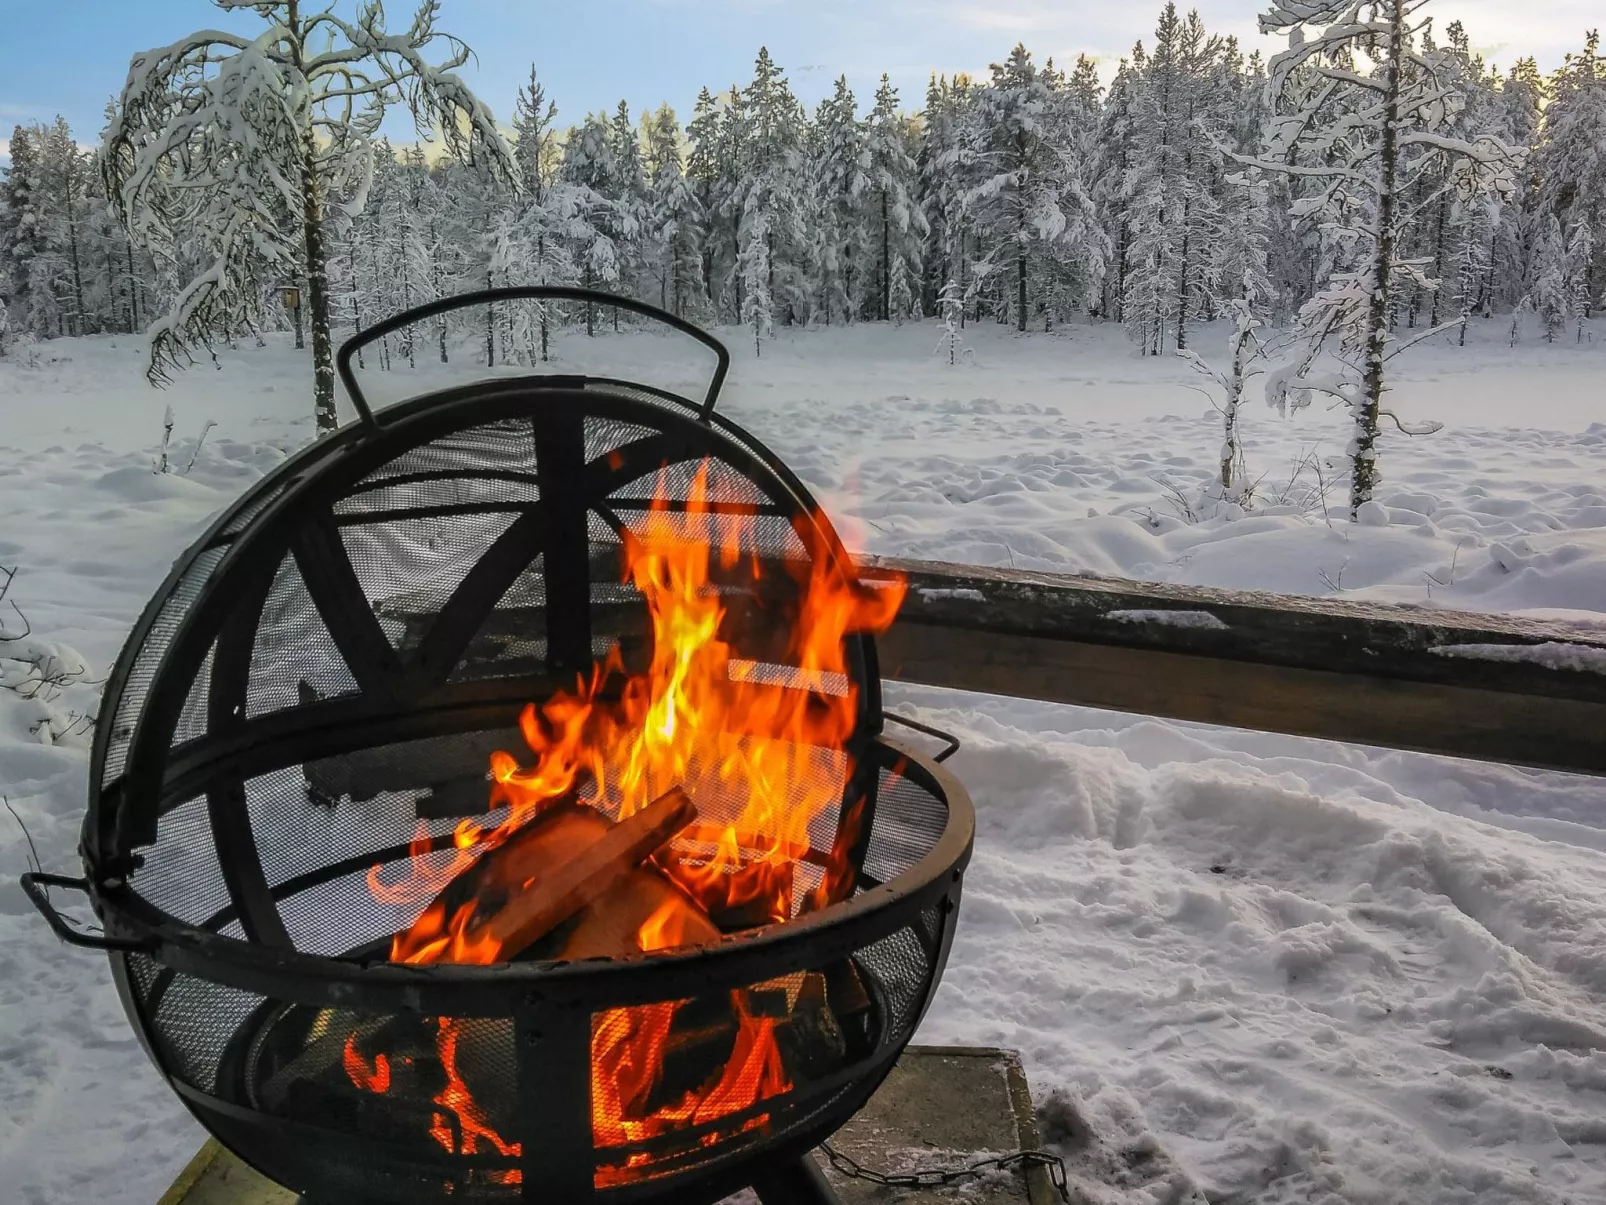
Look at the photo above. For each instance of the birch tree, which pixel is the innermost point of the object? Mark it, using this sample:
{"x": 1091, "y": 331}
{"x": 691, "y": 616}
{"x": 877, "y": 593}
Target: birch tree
{"x": 246, "y": 139}
{"x": 1356, "y": 172}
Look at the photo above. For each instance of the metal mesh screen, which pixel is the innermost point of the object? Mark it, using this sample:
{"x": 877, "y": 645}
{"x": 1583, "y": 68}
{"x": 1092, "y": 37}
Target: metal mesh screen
{"x": 142, "y": 673}
{"x": 333, "y": 747}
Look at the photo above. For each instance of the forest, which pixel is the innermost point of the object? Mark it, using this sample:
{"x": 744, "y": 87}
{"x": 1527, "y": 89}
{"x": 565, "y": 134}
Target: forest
{"x": 1195, "y": 178}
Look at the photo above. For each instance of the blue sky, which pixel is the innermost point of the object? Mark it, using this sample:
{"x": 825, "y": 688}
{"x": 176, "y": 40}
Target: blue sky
{"x": 70, "y": 56}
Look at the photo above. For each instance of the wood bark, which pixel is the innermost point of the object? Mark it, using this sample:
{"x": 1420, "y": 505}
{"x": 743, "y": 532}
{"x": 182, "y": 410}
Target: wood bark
{"x": 1363, "y": 449}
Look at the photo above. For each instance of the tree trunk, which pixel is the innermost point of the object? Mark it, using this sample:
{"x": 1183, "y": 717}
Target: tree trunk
{"x": 490, "y": 327}
{"x": 72, "y": 247}
{"x": 1020, "y": 288}
{"x": 1182, "y": 278}
{"x": 591, "y": 310}
{"x": 436, "y": 285}
{"x": 886, "y": 260}
{"x": 1363, "y": 454}
{"x": 540, "y": 258}
{"x": 133, "y": 289}
{"x": 323, "y": 363}
{"x": 1438, "y": 264}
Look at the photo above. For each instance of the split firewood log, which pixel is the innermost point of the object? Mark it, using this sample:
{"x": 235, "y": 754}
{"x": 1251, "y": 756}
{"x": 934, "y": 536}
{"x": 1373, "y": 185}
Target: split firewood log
{"x": 549, "y": 870}
{"x": 611, "y": 925}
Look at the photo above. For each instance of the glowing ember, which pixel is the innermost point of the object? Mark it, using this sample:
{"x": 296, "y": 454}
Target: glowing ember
{"x": 369, "y": 1079}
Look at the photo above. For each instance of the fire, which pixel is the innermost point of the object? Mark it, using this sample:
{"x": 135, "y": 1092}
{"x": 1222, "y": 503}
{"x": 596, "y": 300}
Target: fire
{"x": 369, "y": 1079}
{"x": 766, "y": 741}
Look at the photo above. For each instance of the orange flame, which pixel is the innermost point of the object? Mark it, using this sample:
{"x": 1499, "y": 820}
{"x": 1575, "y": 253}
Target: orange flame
{"x": 768, "y": 738}
{"x": 765, "y": 740}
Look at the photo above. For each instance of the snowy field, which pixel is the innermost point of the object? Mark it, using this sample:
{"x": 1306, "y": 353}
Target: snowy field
{"x": 1256, "y": 968}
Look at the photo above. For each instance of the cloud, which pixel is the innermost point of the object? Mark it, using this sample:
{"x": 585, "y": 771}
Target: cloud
{"x": 991, "y": 18}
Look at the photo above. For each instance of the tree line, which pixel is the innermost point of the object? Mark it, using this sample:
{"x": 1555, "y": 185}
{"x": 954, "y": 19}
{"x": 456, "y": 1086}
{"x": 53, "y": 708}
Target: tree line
{"x": 1376, "y": 177}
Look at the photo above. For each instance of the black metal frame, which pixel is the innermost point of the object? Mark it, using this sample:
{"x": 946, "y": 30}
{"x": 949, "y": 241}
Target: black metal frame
{"x": 541, "y": 293}
{"x": 291, "y": 514}
{"x": 551, "y": 1005}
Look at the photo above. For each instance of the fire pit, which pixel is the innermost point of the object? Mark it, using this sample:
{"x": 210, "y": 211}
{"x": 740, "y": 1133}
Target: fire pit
{"x": 494, "y": 806}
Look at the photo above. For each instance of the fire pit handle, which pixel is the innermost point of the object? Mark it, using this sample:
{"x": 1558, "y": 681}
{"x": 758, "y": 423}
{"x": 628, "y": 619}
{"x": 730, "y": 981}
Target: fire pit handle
{"x": 35, "y": 885}
{"x": 350, "y": 347}
{"x": 951, "y": 740}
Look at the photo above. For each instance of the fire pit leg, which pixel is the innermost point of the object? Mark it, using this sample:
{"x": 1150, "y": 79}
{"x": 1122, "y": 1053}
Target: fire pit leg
{"x": 799, "y": 1183}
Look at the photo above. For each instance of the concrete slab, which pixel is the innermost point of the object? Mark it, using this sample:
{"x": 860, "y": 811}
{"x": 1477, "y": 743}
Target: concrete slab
{"x": 942, "y": 1106}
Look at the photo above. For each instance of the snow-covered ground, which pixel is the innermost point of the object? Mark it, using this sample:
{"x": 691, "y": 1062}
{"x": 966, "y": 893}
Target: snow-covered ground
{"x": 1257, "y": 968}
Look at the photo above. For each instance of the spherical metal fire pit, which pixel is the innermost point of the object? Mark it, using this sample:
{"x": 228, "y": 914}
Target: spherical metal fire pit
{"x": 307, "y": 708}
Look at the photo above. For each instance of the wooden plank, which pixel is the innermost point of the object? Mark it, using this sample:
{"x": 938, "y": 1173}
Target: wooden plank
{"x": 1420, "y": 678}
{"x": 1332, "y": 669}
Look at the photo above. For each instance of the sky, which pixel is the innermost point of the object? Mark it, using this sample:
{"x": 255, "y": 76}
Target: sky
{"x": 71, "y": 56}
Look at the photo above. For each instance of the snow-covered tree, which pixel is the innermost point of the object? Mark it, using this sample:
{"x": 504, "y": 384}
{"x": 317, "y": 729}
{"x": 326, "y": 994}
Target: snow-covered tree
{"x": 1175, "y": 210}
{"x": 676, "y": 218}
{"x": 898, "y": 227}
{"x": 1570, "y": 159}
{"x": 772, "y": 204}
{"x": 840, "y": 183}
{"x": 756, "y": 270}
{"x": 1357, "y": 171}
{"x": 1029, "y": 206}
{"x": 1243, "y": 350}
{"x": 1552, "y": 299}
{"x": 1580, "y": 261}
{"x": 951, "y": 312}
{"x": 604, "y": 221}
{"x": 243, "y": 140}
{"x": 22, "y": 236}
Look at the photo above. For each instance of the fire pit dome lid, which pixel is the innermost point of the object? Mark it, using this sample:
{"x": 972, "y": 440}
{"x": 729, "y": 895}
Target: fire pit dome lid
{"x": 139, "y": 751}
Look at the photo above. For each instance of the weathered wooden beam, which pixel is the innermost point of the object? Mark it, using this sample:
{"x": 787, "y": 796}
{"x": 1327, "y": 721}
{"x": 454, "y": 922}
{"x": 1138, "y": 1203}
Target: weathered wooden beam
{"x": 1492, "y": 687}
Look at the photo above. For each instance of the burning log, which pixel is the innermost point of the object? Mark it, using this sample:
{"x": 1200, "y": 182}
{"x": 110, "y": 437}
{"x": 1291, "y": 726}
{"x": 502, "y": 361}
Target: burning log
{"x": 643, "y": 911}
{"x": 519, "y": 891}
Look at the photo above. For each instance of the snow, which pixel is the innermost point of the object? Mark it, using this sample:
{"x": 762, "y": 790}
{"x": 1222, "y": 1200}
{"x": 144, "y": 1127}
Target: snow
{"x": 1255, "y": 967}
{"x": 1548, "y": 653}
{"x": 1169, "y": 619}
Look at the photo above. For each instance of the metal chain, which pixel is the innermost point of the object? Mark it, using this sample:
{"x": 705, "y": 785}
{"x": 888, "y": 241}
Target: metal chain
{"x": 938, "y": 1177}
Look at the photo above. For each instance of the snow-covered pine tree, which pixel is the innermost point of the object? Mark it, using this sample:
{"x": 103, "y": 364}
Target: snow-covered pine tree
{"x": 676, "y": 218}
{"x": 1511, "y": 255}
{"x": 946, "y": 162}
{"x": 1580, "y": 260}
{"x": 1113, "y": 177}
{"x": 768, "y": 187}
{"x": 22, "y": 237}
{"x": 1570, "y": 160}
{"x": 227, "y": 134}
{"x": 840, "y": 184}
{"x": 65, "y": 181}
{"x": 951, "y": 312}
{"x": 756, "y": 271}
{"x": 1069, "y": 279}
{"x": 629, "y": 193}
{"x": 897, "y": 226}
{"x": 1357, "y": 172}
{"x": 1174, "y": 214}
{"x": 601, "y": 221}
{"x": 1472, "y": 224}
{"x": 707, "y": 170}
{"x": 1552, "y": 299}
{"x": 1028, "y": 202}
{"x": 546, "y": 210}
